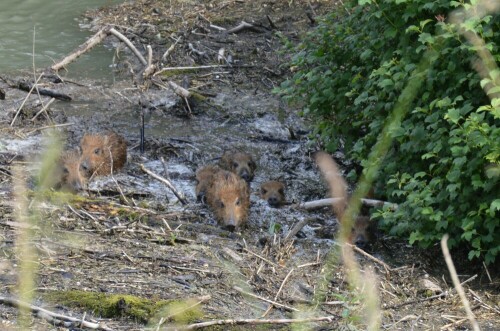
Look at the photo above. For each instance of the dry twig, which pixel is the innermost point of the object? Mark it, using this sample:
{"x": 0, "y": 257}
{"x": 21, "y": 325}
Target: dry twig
{"x": 178, "y": 194}
{"x": 44, "y": 313}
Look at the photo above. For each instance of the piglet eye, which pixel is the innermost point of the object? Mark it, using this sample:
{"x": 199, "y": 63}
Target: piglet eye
{"x": 237, "y": 203}
{"x": 97, "y": 151}
{"x": 66, "y": 171}
{"x": 281, "y": 191}
{"x": 263, "y": 191}
{"x": 235, "y": 165}
{"x": 221, "y": 204}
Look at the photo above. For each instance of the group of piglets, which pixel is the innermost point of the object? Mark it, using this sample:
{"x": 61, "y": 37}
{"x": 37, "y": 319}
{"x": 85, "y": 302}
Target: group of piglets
{"x": 224, "y": 187}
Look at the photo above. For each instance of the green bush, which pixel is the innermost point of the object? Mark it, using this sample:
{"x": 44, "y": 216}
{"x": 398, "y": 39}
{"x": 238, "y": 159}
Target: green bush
{"x": 442, "y": 166}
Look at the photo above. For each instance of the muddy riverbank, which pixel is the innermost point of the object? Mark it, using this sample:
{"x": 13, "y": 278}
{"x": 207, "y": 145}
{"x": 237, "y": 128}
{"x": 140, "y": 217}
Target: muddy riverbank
{"x": 129, "y": 235}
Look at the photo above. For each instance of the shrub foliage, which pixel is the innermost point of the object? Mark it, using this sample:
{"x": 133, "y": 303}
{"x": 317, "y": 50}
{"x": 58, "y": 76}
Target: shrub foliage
{"x": 442, "y": 166}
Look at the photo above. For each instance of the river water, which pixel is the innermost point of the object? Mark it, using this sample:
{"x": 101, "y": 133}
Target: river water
{"x": 55, "y": 24}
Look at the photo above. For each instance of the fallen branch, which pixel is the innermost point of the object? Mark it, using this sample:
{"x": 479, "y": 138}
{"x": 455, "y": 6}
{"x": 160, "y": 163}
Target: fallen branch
{"x": 150, "y": 68}
{"x": 202, "y": 325}
{"x": 194, "y": 50}
{"x": 179, "y": 90}
{"x": 244, "y": 26}
{"x": 215, "y": 66}
{"x": 48, "y": 315}
{"x": 291, "y": 234}
{"x": 276, "y": 304}
{"x": 178, "y": 194}
{"x": 371, "y": 257}
{"x": 129, "y": 44}
{"x": 92, "y": 42}
{"x": 28, "y": 87}
{"x": 83, "y": 48}
{"x": 330, "y": 201}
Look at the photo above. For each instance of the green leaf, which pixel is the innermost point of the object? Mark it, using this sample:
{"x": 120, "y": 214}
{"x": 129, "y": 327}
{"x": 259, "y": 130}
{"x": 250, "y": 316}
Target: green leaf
{"x": 495, "y": 205}
{"x": 426, "y": 38}
{"x": 453, "y": 115}
{"x": 424, "y": 23}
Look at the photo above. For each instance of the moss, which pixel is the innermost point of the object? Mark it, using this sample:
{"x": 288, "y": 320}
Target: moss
{"x": 117, "y": 305}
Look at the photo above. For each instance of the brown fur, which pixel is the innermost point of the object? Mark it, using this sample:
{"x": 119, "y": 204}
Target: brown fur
{"x": 103, "y": 153}
{"x": 362, "y": 231}
{"x": 204, "y": 177}
{"x": 273, "y": 192}
{"x": 239, "y": 163}
{"x": 228, "y": 196}
{"x": 70, "y": 173}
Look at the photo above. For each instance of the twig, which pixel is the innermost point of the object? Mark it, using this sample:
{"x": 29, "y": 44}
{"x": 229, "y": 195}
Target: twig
{"x": 243, "y": 26}
{"x": 179, "y": 90}
{"x": 43, "y": 109}
{"x": 192, "y": 68}
{"x": 456, "y": 323}
{"x": 178, "y": 194}
{"x": 194, "y": 50}
{"x": 260, "y": 257}
{"x": 296, "y": 229}
{"x": 85, "y": 47}
{"x": 410, "y": 302}
{"x": 50, "y": 127}
{"x": 487, "y": 272}
{"x": 24, "y": 101}
{"x": 239, "y": 289}
{"x": 129, "y": 44}
{"x": 44, "y": 312}
{"x": 201, "y": 325}
{"x": 456, "y": 282}
{"x": 271, "y": 24}
{"x": 278, "y": 293}
{"x": 170, "y": 49}
{"x": 371, "y": 257}
{"x": 150, "y": 67}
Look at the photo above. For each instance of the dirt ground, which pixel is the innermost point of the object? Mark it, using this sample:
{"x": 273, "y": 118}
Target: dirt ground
{"x": 129, "y": 235}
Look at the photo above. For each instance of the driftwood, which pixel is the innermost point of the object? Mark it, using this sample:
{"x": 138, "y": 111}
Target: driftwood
{"x": 92, "y": 42}
{"x": 332, "y": 201}
{"x": 129, "y": 44}
{"x": 83, "y": 48}
{"x": 51, "y": 316}
{"x": 178, "y": 194}
{"x": 28, "y": 87}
